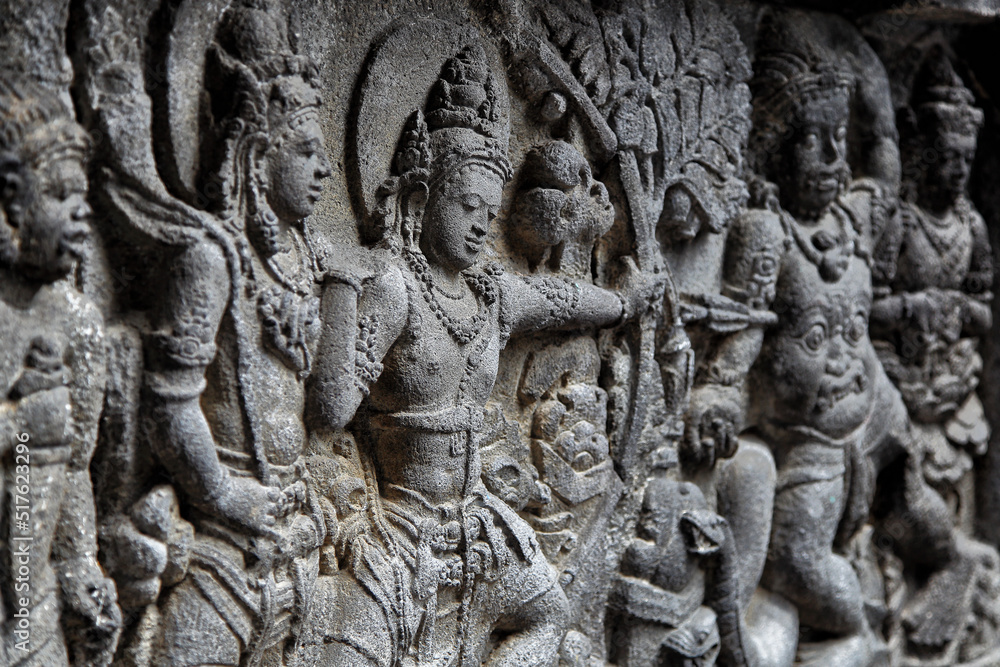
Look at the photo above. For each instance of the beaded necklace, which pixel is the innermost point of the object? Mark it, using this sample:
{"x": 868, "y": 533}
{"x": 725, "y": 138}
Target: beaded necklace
{"x": 461, "y": 331}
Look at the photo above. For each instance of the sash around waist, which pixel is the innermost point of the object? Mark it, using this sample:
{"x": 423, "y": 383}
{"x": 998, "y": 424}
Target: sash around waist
{"x": 453, "y": 419}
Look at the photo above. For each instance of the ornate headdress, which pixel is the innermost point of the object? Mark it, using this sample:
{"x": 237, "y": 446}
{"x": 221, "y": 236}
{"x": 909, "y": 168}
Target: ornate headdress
{"x": 782, "y": 80}
{"x": 941, "y": 100}
{"x": 37, "y": 128}
{"x": 274, "y": 91}
{"x": 460, "y": 126}
{"x": 36, "y": 131}
{"x": 789, "y": 70}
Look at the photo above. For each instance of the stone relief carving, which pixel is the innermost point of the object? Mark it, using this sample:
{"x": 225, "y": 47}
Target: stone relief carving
{"x": 936, "y": 253}
{"x": 536, "y": 332}
{"x": 239, "y": 313}
{"x": 56, "y": 604}
{"x": 443, "y": 561}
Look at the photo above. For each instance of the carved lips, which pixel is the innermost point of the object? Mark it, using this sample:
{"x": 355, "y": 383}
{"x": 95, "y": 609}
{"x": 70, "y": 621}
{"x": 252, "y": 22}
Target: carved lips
{"x": 835, "y": 388}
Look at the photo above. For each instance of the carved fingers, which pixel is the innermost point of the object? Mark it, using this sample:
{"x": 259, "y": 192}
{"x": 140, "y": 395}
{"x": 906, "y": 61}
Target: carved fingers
{"x": 92, "y": 618}
{"x": 252, "y": 505}
{"x": 639, "y": 291}
{"x": 712, "y": 425}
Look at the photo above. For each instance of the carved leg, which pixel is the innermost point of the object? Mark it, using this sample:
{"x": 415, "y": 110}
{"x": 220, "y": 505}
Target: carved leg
{"x": 802, "y": 566}
{"x": 341, "y": 654}
{"x": 542, "y": 624}
{"x": 351, "y": 625}
{"x": 746, "y": 497}
{"x": 194, "y": 634}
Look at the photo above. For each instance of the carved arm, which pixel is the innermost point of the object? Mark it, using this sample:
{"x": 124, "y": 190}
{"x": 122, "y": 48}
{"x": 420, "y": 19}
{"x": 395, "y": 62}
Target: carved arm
{"x": 360, "y": 324}
{"x": 178, "y": 354}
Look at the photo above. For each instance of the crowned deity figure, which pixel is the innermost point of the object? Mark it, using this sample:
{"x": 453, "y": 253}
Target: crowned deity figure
{"x": 823, "y": 403}
{"x": 56, "y": 606}
{"x": 437, "y": 563}
{"x": 938, "y": 271}
{"x": 934, "y": 274}
{"x": 227, "y": 350}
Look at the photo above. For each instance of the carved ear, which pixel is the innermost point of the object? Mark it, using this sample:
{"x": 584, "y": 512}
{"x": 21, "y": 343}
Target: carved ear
{"x": 11, "y": 179}
{"x": 415, "y": 201}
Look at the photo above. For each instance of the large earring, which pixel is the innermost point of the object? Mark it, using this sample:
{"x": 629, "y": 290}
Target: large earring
{"x": 414, "y": 204}
{"x": 264, "y": 221}
{"x": 11, "y": 185}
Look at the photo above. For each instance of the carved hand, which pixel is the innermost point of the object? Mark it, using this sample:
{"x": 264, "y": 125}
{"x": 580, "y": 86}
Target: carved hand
{"x": 135, "y": 559}
{"x": 44, "y": 415}
{"x": 639, "y": 290}
{"x": 713, "y": 422}
{"x": 91, "y": 615}
{"x": 931, "y": 309}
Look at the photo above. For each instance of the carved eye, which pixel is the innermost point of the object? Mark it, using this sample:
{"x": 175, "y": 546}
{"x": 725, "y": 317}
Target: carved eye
{"x": 63, "y": 191}
{"x": 856, "y": 328}
{"x": 841, "y": 133}
{"x": 811, "y": 141}
{"x": 765, "y": 265}
{"x": 471, "y": 202}
{"x": 815, "y": 337}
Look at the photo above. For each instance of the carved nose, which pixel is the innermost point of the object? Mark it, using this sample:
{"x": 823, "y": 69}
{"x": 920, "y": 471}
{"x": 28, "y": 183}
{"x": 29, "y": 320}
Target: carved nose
{"x": 836, "y": 363}
{"x": 82, "y": 212}
{"x": 324, "y": 170}
{"x": 831, "y": 151}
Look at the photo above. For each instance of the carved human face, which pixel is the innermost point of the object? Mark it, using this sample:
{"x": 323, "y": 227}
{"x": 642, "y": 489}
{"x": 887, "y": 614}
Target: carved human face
{"x": 51, "y": 216}
{"x": 947, "y": 175}
{"x": 682, "y": 216}
{"x": 295, "y": 172}
{"x": 458, "y": 217}
{"x": 814, "y": 164}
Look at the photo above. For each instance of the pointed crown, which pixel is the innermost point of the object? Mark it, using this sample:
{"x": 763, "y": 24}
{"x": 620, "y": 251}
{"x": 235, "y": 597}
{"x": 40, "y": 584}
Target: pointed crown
{"x": 275, "y": 86}
{"x": 37, "y": 127}
{"x": 461, "y": 124}
{"x": 942, "y": 102}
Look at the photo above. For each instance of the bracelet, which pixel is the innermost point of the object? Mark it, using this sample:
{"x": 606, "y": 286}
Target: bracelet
{"x": 722, "y": 377}
{"x": 626, "y": 314}
{"x": 344, "y": 279}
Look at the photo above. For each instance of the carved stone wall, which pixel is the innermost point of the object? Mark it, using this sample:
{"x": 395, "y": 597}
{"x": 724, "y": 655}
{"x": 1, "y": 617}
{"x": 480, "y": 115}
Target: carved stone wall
{"x": 450, "y": 333}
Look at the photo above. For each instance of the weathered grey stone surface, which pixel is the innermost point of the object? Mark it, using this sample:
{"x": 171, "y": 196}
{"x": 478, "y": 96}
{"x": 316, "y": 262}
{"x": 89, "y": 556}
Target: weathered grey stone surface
{"x": 453, "y": 333}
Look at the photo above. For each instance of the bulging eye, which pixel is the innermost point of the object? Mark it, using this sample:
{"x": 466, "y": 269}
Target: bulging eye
{"x": 815, "y": 337}
{"x": 841, "y": 133}
{"x": 811, "y": 141}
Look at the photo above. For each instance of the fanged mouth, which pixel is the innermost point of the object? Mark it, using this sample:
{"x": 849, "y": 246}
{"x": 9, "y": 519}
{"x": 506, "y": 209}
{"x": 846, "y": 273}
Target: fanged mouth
{"x": 832, "y": 393}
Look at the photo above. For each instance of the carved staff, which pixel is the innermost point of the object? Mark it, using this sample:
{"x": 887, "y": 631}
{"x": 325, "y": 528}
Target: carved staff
{"x": 604, "y": 143}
